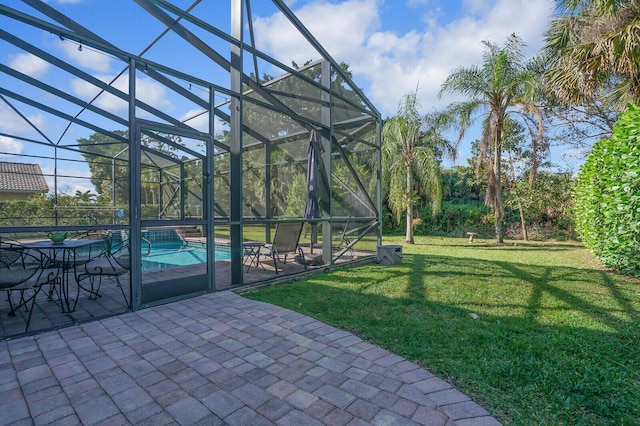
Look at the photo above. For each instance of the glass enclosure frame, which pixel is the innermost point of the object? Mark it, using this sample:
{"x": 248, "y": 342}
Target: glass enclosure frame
{"x": 230, "y": 170}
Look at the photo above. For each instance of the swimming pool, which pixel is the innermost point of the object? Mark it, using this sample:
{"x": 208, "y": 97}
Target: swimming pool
{"x": 169, "y": 255}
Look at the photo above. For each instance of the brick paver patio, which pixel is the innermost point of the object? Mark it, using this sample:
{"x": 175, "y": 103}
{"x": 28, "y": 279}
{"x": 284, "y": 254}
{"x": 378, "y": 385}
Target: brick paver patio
{"x": 219, "y": 359}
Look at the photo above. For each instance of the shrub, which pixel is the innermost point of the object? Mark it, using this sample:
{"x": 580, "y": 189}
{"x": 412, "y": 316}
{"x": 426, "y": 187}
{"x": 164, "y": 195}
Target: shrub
{"x": 454, "y": 220}
{"x": 607, "y": 196}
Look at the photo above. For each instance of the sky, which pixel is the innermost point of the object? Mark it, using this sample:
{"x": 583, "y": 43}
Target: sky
{"x": 392, "y": 47}
{"x": 399, "y": 46}
{"x": 396, "y": 46}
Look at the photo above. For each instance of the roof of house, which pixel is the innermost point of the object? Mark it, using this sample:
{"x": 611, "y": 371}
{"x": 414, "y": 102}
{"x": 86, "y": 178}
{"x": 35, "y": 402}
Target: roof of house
{"x": 21, "y": 177}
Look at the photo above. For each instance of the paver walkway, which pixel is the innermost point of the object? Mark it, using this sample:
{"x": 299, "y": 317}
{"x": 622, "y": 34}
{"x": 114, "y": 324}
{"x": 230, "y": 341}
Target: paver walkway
{"x": 219, "y": 359}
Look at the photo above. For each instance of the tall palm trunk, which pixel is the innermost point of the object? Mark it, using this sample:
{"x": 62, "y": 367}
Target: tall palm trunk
{"x": 498, "y": 210}
{"x": 497, "y": 199}
{"x": 409, "y": 235}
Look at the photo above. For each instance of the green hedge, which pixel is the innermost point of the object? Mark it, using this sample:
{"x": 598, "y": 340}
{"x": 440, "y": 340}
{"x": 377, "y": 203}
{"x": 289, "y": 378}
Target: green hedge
{"x": 607, "y": 196}
{"x": 454, "y": 220}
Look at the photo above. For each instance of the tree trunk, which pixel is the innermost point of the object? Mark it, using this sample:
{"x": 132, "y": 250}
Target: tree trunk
{"x": 523, "y": 223}
{"x": 525, "y": 234}
{"x": 497, "y": 168}
{"x": 498, "y": 217}
{"x": 409, "y": 235}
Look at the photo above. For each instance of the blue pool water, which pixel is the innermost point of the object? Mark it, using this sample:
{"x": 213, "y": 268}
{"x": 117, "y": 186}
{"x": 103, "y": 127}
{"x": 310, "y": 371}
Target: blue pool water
{"x": 167, "y": 255}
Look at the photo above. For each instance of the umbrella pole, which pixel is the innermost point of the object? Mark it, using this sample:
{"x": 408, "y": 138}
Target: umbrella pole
{"x": 314, "y": 236}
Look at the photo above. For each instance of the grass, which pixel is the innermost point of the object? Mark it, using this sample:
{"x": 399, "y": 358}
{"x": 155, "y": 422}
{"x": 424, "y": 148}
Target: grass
{"x": 556, "y": 339}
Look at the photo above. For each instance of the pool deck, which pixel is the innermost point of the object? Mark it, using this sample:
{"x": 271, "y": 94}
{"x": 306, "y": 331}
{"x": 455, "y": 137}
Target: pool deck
{"x": 219, "y": 359}
{"x": 47, "y": 314}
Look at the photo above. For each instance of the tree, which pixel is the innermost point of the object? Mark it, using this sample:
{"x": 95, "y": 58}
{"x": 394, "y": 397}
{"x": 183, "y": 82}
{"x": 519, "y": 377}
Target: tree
{"x": 518, "y": 156}
{"x": 503, "y": 85}
{"x": 459, "y": 183}
{"x": 408, "y": 159}
{"x": 593, "y": 45}
{"x": 288, "y": 138}
{"x": 85, "y": 197}
{"x": 580, "y": 126}
{"x": 99, "y": 151}
{"x": 548, "y": 204}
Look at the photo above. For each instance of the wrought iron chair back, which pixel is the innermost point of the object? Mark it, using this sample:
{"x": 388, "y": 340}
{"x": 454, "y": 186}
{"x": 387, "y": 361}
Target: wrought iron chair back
{"x": 114, "y": 263}
{"x": 24, "y": 271}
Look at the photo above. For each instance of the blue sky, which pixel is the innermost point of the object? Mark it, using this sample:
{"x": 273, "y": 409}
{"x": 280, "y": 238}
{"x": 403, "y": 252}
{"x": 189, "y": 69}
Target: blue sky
{"x": 396, "y": 46}
{"x": 392, "y": 47}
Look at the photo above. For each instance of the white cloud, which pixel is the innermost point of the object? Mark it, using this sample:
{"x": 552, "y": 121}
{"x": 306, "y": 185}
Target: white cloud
{"x": 344, "y": 39}
{"x": 440, "y": 50}
{"x": 29, "y": 64}
{"x": 198, "y": 119}
{"x": 70, "y": 179}
{"x": 85, "y": 57}
{"x": 87, "y": 91}
{"x": 391, "y": 63}
{"x": 475, "y": 6}
{"x": 10, "y": 146}
{"x": 148, "y": 91}
{"x": 12, "y": 123}
{"x": 152, "y": 93}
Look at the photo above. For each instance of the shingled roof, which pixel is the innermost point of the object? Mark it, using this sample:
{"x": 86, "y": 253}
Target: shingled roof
{"x": 21, "y": 177}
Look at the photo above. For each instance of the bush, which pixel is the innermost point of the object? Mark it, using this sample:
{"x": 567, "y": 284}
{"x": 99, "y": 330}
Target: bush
{"x": 607, "y": 196}
{"x": 454, "y": 220}
{"x": 389, "y": 223}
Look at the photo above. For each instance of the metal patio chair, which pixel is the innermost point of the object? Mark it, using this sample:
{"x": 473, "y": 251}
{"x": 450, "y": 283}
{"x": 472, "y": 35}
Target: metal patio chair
{"x": 112, "y": 263}
{"x": 88, "y": 253}
{"x": 285, "y": 242}
{"x": 23, "y": 271}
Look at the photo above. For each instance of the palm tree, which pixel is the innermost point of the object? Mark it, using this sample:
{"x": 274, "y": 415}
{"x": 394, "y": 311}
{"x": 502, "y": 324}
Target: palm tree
{"x": 85, "y": 197}
{"x": 409, "y": 158}
{"x": 594, "y": 45}
{"x": 504, "y": 84}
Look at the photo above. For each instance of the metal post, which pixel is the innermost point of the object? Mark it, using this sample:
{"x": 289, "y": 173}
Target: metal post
{"x": 209, "y": 194}
{"x": 135, "y": 241}
{"x": 379, "y": 180}
{"x": 182, "y": 191}
{"x": 235, "y": 172}
{"x": 267, "y": 190}
{"x": 55, "y": 185}
{"x": 113, "y": 189}
{"x": 326, "y": 160}
{"x": 160, "y": 194}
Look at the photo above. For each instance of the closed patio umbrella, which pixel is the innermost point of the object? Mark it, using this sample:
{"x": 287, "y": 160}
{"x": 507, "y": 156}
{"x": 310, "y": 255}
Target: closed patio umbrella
{"x": 311, "y": 209}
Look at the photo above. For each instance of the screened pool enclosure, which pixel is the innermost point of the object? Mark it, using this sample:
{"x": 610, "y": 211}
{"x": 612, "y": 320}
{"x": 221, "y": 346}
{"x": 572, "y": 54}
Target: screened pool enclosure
{"x": 177, "y": 129}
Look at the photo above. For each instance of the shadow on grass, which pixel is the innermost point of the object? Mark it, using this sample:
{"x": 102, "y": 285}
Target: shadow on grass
{"x": 552, "y": 345}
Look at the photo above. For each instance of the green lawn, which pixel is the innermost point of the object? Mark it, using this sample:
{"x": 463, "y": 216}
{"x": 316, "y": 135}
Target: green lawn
{"x": 556, "y": 339}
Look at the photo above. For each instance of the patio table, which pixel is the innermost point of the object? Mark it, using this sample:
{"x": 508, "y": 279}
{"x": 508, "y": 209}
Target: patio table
{"x": 64, "y": 255}
{"x": 251, "y": 254}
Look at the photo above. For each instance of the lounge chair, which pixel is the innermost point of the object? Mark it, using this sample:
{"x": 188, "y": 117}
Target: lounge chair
{"x": 285, "y": 242}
